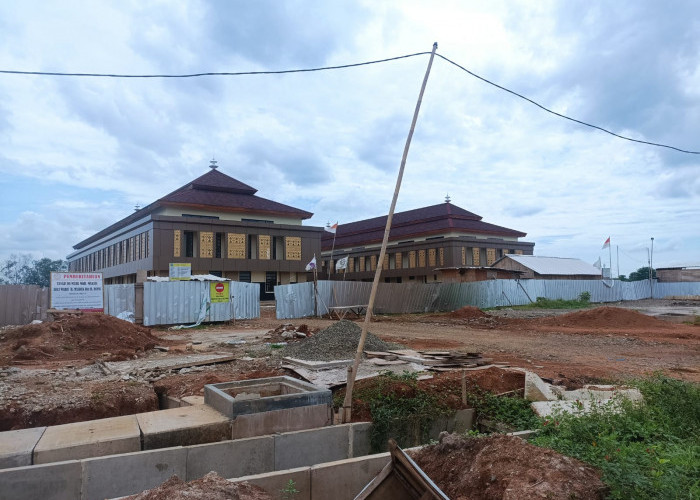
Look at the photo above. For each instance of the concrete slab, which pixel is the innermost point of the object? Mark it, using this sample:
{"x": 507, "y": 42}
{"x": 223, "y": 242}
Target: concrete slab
{"x": 347, "y": 476}
{"x": 602, "y": 393}
{"x": 298, "y": 449}
{"x": 537, "y": 389}
{"x": 360, "y": 439}
{"x": 93, "y": 438}
{"x": 192, "y": 400}
{"x": 287, "y": 420}
{"x": 16, "y": 447}
{"x": 275, "y": 482}
{"x": 183, "y": 426}
{"x": 59, "y": 481}
{"x": 120, "y": 475}
{"x": 232, "y": 458}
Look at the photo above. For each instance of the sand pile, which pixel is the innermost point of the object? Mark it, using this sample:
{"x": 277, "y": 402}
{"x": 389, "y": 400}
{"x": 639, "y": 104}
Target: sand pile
{"x": 210, "y": 487}
{"x": 607, "y": 317}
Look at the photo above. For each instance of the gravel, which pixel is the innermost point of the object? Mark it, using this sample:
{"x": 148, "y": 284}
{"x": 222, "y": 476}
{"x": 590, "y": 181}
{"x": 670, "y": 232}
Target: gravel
{"x": 338, "y": 341}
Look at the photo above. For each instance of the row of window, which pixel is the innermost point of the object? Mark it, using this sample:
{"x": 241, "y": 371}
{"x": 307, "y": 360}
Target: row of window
{"x": 431, "y": 258}
{"x": 127, "y": 250}
{"x": 218, "y": 245}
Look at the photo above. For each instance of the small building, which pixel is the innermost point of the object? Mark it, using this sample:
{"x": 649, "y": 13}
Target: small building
{"x": 215, "y": 223}
{"x": 469, "y": 274}
{"x": 549, "y": 268}
{"x": 420, "y": 241}
{"x": 677, "y": 274}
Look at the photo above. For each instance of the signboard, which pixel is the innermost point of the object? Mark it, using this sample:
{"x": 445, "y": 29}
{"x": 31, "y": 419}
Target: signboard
{"x": 77, "y": 291}
{"x": 218, "y": 291}
{"x": 180, "y": 271}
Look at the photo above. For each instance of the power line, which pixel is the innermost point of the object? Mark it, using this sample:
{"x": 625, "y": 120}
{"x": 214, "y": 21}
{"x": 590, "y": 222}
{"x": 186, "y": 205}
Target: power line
{"x": 343, "y": 66}
{"x": 564, "y": 116}
{"x": 196, "y": 75}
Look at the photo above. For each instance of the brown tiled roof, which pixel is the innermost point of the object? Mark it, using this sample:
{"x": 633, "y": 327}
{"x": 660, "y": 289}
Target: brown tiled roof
{"x": 426, "y": 221}
{"x": 214, "y": 191}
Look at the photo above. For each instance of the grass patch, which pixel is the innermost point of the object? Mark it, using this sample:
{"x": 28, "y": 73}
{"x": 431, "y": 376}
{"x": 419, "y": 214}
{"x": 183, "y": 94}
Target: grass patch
{"x": 649, "y": 450}
{"x": 514, "y": 412}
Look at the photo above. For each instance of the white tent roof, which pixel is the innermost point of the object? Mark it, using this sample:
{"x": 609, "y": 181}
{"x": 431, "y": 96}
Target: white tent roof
{"x": 555, "y": 265}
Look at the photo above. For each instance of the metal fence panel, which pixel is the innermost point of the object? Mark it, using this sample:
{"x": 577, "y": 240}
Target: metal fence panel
{"x": 119, "y": 299}
{"x": 246, "y": 300}
{"x": 22, "y": 304}
{"x": 297, "y": 301}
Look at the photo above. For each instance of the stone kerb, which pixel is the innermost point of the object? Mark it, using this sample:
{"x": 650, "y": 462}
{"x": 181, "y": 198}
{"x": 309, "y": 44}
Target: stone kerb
{"x": 17, "y": 447}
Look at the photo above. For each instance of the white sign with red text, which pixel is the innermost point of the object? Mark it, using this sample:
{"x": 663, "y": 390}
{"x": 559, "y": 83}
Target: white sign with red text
{"x": 77, "y": 291}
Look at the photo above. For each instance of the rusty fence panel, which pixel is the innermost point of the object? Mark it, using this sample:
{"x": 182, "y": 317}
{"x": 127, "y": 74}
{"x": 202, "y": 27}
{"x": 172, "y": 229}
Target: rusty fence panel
{"x": 22, "y": 304}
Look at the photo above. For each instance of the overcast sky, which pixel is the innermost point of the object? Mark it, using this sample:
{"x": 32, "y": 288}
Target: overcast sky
{"x": 77, "y": 154}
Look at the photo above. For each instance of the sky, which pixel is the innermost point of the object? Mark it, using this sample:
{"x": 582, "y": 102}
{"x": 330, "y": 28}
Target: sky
{"x": 77, "y": 154}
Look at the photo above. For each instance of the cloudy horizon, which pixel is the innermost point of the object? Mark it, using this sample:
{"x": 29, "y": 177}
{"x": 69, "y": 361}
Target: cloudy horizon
{"x": 79, "y": 153}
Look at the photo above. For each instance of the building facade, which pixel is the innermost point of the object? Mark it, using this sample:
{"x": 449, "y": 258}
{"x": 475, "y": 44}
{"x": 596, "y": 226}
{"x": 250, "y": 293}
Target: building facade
{"x": 215, "y": 223}
{"x": 420, "y": 242}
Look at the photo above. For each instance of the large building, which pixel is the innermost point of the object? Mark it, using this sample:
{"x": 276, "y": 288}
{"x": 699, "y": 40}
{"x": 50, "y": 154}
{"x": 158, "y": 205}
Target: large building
{"x": 218, "y": 225}
{"x": 420, "y": 242}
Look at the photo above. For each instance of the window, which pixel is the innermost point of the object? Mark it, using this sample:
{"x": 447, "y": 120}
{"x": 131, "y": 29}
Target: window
{"x": 189, "y": 243}
{"x": 278, "y": 247}
{"x": 218, "y": 245}
{"x": 270, "y": 281}
{"x": 244, "y": 276}
{"x": 252, "y": 247}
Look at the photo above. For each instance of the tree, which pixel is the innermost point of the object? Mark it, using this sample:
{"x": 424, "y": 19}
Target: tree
{"x": 640, "y": 274}
{"x": 21, "y": 269}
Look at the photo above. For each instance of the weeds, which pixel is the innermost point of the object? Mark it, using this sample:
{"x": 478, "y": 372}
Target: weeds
{"x": 647, "y": 450}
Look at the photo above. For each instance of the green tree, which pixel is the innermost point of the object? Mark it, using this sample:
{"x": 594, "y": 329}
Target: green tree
{"x": 21, "y": 269}
{"x": 640, "y": 274}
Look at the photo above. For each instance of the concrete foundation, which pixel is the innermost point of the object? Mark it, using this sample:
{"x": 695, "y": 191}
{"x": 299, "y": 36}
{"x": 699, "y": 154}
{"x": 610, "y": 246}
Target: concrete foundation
{"x": 286, "y": 420}
{"x": 183, "y": 426}
{"x": 244, "y": 397}
{"x": 17, "y": 447}
{"x": 94, "y": 438}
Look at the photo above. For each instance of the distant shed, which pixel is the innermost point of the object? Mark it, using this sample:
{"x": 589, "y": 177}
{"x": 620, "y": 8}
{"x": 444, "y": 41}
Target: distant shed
{"x": 678, "y": 274}
{"x": 548, "y": 268}
{"x": 474, "y": 273}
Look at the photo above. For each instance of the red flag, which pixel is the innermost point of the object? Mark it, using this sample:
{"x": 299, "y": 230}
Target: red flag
{"x": 607, "y": 243}
{"x": 331, "y": 229}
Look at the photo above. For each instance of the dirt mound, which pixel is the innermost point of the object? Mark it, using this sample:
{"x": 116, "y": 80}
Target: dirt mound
{"x": 210, "y": 487}
{"x": 506, "y": 467}
{"x": 75, "y": 337}
{"x": 468, "y": 312}
{"x": 338, "y": 341}
{"x": 607, "y": 317}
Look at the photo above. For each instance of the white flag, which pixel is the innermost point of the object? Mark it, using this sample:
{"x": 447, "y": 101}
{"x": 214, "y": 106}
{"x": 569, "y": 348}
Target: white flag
{"x": 342, "y": 263}
{"x": 311, "y": 265}
{"x": 597, "y": 264}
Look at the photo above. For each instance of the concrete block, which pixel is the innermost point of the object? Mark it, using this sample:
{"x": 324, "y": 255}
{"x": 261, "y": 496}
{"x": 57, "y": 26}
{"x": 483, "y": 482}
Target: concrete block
{"x": 275, "y": 482}
{"x": 170, "y": 402}
{"x": 16, "y": 447}
{"x": 93, "y": 438}
{"x": 602, "y": 393}
{"x": 287, "y": 420}
{"x": 57, "y": 481}
{"x": 360, "y": 439}
{"x": 346, "y": 476}
{"x": 183, "y": 426}
{"x": 120, "y": 475}
{"x": 242, "y": 457}
{"x": 273, "y": 393}
{"x": 298, "y": 449}
{"x": 537, "y": 389}
{"x": 192, "y": 400}
{"x": 464, "y": 420}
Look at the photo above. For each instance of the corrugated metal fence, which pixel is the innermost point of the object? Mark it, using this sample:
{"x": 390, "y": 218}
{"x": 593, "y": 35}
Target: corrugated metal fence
{"x": 22, "y": 304}
{"x": 180, "y": 302}
{"x": 297, "y": 301}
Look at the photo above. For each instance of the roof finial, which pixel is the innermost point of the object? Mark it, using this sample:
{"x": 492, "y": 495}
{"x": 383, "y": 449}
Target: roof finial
{"x": 137, "y": 207}
{"x": 212, "y": 164}
{"x": 447, "y": 198}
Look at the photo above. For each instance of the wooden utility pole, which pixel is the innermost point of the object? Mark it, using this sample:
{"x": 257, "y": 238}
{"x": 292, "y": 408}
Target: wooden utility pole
{"x": 352, "y": 372}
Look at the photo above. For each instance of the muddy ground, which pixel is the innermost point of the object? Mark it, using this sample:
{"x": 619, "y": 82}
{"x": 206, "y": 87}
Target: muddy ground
{"x": 49, "y": 375}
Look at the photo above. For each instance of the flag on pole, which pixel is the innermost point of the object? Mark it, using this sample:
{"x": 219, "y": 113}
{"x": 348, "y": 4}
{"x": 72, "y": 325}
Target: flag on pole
{"x": 341, "y": 264}
{"x": 598, "y": 264}
{"x": 312, "y": 264}
{"x": 331, "y": 229}
{"x": 607, "y": 243}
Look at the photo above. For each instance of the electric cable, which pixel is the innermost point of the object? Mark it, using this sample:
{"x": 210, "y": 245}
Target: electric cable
{"x": 343, "y": 66}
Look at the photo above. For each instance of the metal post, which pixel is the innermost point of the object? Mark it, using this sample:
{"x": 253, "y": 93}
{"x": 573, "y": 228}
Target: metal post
{"x": 651, "y": 268}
